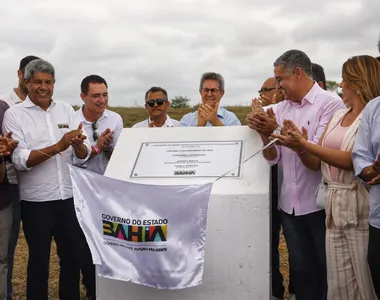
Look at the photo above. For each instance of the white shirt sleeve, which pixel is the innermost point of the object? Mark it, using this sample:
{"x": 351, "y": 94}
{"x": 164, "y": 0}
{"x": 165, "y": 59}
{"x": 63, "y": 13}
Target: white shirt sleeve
{"x": 118, "y": 128}
{"x": 74, "y": 123}
{"x": 21, "y": 154}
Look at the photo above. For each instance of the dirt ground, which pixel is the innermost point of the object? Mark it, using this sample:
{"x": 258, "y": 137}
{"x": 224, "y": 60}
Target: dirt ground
{"x": 130, "y": 116}
{"x": 21, "y": 259}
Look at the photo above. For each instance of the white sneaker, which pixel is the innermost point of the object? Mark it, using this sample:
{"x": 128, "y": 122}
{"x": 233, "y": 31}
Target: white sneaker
{"x": 292, "y": 297}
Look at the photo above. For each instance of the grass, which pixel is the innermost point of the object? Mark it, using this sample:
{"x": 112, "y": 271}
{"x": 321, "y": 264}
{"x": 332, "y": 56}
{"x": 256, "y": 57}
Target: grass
{"x": 136, "y": 114}
{"x": 130, "y": 116}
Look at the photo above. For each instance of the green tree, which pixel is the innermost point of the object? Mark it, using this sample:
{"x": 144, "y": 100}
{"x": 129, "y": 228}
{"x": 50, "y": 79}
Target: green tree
{"x": 180, "y": 102}
{"x": 332, "y": 86}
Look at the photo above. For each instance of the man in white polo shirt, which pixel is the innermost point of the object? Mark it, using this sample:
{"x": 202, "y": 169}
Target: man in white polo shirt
{"x": 16, "y": 95}
{"x": 50, "y": 137}
{"x": 157, "y": 105}
{"x": 103, "y": 127}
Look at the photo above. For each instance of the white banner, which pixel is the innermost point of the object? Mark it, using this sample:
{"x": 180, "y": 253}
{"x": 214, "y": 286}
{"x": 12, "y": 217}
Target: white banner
{"x": 151, "y": 235}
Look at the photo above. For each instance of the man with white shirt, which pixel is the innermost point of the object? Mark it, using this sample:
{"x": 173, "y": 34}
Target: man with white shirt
{"x": 16, "y": 95}
{"x": 50, "y": 137}
{"x": 105, "y": 126}
{"x": 102, "y": 125}
{"x": 157, "y": 105}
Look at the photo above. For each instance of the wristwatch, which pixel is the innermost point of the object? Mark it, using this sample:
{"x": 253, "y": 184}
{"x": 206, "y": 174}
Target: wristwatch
{"x": 277, "y": 130}
{"x": 109, "y": 149}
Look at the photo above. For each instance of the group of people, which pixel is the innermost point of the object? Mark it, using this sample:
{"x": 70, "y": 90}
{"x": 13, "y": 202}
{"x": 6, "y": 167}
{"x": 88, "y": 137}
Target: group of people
{"x": 39, "y": 137}
{"x": 326, "y": 148}
{"x": 328, "y": 157}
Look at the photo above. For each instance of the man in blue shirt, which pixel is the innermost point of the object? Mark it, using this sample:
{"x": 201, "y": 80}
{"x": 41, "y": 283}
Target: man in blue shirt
{"x": 366, "y": 161}
{"x": 209, "y": 113}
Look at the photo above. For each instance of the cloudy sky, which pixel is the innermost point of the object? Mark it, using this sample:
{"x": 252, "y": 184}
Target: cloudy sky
{"x": 138, "y": 44}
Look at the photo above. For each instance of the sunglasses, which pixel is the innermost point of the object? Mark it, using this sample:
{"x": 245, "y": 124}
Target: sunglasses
{"x": 95, "y": 134}
{"x": 152, "y": 102}
{"x": 263, "y": 90}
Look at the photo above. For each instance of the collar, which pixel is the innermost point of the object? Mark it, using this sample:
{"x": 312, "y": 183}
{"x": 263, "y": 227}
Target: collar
{"x": 168, "y": 122}
{"x": 220, "y": 112}
{"x": 309, "y": 97}
{"x": 29, "y": 103}
{"x": 15, "y": 98}
{"x": 312, "y": 94}
{"x": 82, "y": 118}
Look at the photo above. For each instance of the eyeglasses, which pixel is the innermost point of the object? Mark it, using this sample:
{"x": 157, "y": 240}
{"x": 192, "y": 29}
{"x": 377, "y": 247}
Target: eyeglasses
{"x": 264, "y": 90}
{"x": 213, "y": 91}
{"x": 152, "y": 102}
{"x": 95, "y": 134}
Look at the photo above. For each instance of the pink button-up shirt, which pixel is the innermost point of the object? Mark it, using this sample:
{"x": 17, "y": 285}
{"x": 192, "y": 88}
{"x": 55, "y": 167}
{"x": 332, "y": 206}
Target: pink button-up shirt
{"x": 300, "y": 183}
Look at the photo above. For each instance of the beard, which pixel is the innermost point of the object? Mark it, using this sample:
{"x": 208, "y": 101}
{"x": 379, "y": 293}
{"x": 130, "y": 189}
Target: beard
{"x": 23, "y": 87}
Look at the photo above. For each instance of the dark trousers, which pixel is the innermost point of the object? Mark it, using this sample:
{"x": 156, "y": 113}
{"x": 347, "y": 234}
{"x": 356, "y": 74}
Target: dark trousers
{"x": 88, "y": 270}
{"x": 374, "y": 257}
{"x": 305, "y": 238}
{"x": 277, "y": 279}
{"x": 16, "y": 214}
{"x": 41, "y": 222}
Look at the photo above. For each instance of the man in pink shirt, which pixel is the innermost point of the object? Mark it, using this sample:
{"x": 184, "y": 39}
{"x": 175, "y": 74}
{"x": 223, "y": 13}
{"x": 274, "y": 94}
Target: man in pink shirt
{"x": 309, "y": 106}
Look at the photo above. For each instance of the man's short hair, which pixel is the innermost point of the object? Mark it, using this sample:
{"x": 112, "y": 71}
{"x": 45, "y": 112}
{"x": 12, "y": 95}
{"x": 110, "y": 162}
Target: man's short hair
{"x": 212, "y": 76}
{"x": 25, "y": 61}
{"x": 85, "y": 84}
{"x": 318, "y": 74}
{"x": 156, "y": 89}
{"x": 38, "y": 65}
{"x": 292, "y": 59}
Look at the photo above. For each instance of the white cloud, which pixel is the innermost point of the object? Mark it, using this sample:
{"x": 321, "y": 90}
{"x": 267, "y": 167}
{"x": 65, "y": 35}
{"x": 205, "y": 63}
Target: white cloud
{"x": 170, "y": 43}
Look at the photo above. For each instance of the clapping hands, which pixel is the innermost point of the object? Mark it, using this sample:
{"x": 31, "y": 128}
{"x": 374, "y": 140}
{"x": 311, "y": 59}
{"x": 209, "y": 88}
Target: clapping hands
{"x": 7, "y": 145}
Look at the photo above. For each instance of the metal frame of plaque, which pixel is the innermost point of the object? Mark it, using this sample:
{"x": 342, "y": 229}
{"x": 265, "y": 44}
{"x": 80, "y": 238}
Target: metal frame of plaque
{"x": 186, "y": 173}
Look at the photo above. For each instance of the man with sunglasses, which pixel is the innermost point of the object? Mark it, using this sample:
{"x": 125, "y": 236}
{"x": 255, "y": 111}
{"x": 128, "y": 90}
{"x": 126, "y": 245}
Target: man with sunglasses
{"x": 209, "y": 113}
{"x": 103, "y": 127}
{"x": 157, "y": 105}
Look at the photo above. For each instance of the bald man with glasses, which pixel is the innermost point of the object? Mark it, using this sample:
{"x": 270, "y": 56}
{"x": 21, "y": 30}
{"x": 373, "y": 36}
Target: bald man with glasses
{"x": 157, "y": 105}
{"x": 269, "y": 94}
